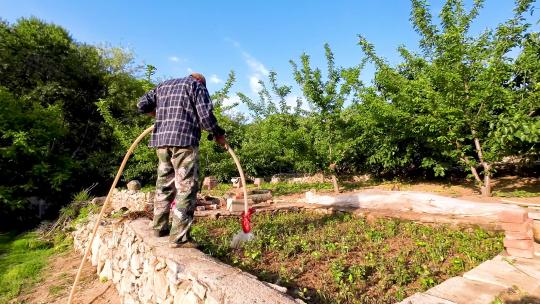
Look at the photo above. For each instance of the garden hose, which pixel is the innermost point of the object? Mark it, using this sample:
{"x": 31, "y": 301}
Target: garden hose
{"x": 246, "y": 215}
{"x": 113, "y": 186}
{"x": 245, "y": 235}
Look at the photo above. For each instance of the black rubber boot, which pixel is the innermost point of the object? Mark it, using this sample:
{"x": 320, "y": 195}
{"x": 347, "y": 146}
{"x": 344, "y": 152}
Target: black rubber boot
{"x": 161, "y": 233}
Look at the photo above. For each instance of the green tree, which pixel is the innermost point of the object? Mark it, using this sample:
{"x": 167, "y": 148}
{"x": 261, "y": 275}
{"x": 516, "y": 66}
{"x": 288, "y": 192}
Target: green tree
{"x": 52, "y": 142}
{"x": 28, "y": 156}
{"x": 275, "y": 141}
{"x": 458, "y": 91}
{"x": 327, "y": 97}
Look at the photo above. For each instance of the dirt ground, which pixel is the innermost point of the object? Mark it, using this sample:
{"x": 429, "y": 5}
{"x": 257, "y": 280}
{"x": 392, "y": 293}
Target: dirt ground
{"x": 58, "y": 278}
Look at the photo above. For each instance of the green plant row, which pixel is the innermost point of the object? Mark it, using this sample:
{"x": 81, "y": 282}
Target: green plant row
{"x": 342, "y": 259}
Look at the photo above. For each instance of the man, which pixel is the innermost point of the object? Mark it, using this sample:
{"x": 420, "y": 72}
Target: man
{"x": 181, "y": 107}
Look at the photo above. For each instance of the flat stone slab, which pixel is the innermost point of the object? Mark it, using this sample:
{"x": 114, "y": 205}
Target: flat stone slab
{"x": 462, "y": 290}
{"x": 503, "y": 273}
{"x": 530, "y": 267}
{"x": 423, "y": 298}
{"x": 410, "y": 201}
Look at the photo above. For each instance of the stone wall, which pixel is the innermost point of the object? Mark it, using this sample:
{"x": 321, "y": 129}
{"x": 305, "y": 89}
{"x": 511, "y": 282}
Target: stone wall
{"x": 133, "y": 200}
{"x": 145, "y": 270}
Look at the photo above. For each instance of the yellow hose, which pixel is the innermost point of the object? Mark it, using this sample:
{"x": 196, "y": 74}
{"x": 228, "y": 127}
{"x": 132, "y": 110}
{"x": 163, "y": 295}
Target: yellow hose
{"x": 242, "y": 178}
{"x": 118, "y": 174}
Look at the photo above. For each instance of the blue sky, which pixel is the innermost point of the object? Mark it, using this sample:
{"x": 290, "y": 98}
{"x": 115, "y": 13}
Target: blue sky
{"x": 249, "y": 37}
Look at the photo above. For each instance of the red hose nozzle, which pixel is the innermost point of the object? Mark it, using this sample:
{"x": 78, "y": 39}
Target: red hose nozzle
{"x": 246, "y": 220}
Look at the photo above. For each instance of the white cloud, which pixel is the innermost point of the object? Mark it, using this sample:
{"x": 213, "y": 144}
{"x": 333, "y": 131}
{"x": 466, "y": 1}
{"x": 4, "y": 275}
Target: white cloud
{"x": 174, "y": 59}
{"x": 255, "y": 65}
{"x": 257, "y": 69}
{"x": 254, "y": 84}
{"x": 291, "y": 100}
{"x": 231, "y": 100}
{"x": 215, "y": 79}
{"x": 189, "y": 70}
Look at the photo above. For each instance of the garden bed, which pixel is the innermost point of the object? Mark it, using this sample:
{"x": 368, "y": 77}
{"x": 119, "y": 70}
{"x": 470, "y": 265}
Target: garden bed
{"x": 342, "y": 259}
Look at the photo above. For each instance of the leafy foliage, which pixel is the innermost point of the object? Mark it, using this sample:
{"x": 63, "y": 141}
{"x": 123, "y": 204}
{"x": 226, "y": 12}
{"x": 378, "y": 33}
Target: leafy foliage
{"x": 464, "y": 101}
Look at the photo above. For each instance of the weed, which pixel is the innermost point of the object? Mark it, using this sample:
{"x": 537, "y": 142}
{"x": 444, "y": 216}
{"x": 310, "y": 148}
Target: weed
{"x": 515, "y": 193}
{"x": 55, "y": 290}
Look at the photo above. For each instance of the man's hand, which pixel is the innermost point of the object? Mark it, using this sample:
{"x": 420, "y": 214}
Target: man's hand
{"x": 220, "y": 140}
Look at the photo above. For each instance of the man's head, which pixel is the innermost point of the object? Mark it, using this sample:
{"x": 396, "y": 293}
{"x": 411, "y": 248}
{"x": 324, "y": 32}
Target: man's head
{"x": 199, "y": 78}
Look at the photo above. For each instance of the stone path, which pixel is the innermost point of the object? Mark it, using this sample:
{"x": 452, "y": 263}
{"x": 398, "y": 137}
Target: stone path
{"x": 485, "y": 282}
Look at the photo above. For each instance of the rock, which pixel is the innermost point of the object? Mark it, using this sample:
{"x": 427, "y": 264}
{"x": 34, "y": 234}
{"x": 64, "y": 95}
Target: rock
{"x": 95, "y": 250}
{"x": 210, "y": 182}
{"x": 526, "y": 235}
{"x": 106, "y": 272}
{"x": 160, "y": 265}
{"x": 127, "y": 285}
{"x": 128, "y": 299}
{"x": 422, "y": 298}
{"x": 117, "y": 276}
{"x": 169, "y": 300}
{"x": 185, "y": 297}
{"x": 173, "y": 266}
{"x": 211, "y": 207}
{"x": 527, "y": 253}
{"x": 213, "y": 298}
{"x": 161, "y": 286}
{"x": 526, "y": 244}
{"x": 198, "y": 289}
{"x": 98, "y": 200}
{"x": 181, "y": 290}
{"x": 461, "y": 290}
{"x": 146, "y": 266}
{"x": 277, "y": 287}
{"x": 513, "y": 216}
{"x": 134, "y": 185}
{"x": 135, "y": 265}
{"x": 518, "y": 227}
{"x": 536, "y": 230}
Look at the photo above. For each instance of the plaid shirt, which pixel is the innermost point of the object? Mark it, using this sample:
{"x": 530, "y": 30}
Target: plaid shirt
{"x": 182, "y": 107}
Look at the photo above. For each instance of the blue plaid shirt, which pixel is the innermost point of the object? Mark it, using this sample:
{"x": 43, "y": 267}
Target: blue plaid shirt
{"x": 182, "y": 107}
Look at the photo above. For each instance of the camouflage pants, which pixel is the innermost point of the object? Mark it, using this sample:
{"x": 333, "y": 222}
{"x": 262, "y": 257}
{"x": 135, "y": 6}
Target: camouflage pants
{"x": 176, "y": 190}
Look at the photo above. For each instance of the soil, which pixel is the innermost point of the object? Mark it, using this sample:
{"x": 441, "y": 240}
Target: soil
{"x": 337, "y": 258}
{"x": 58, "y": 279}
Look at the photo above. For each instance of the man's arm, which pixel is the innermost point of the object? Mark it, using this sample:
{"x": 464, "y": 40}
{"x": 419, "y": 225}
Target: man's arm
{"x": 147, "y": 103}
{"x": 204, "y": 108}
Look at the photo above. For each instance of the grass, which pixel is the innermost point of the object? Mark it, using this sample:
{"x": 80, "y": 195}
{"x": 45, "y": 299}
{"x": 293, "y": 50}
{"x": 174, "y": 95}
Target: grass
{"x": 22, "y": 257}
{"x": 342, "y": 259}
{"x": 515, "y": 193}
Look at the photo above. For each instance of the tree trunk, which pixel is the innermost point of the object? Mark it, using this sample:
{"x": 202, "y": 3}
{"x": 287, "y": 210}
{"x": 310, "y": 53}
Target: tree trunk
{"x": 335, "y": 183}
{"x": 486, "y": 185}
